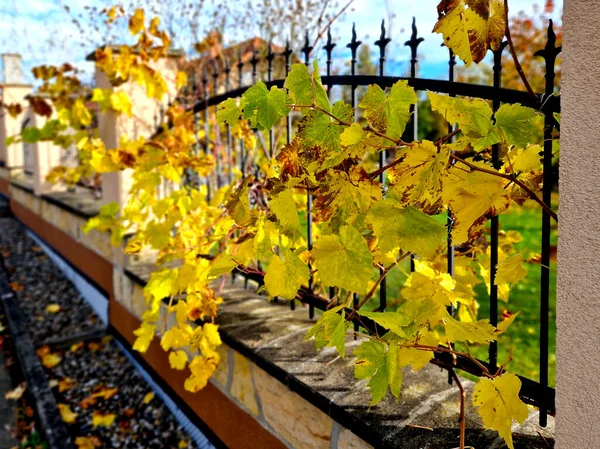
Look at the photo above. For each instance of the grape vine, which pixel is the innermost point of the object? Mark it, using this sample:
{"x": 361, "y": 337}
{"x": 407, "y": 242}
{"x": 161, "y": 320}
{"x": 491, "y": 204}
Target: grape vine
{"x": 363, "y": 228}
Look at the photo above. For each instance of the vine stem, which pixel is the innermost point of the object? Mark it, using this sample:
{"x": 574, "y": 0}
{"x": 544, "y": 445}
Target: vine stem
{"x": 463, "y": 397}
{"x": 511, "y": 47}
{"x": 531, "y": 194}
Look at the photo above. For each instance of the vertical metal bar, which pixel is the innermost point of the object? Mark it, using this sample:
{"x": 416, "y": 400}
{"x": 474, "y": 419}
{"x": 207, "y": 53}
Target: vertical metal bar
{"x": 217, "y": 152}
{"x": 353, "y": 46}
{"x": 413, "y": 43}
{"x": 495, "y": 222}
{"x": 329, "y": 50}
{"x": 270, "y": 56}
{"x": 287, "y": 52}
{"x": 549, "y": 53}
{"x": 242, "y": 161}
{"x": 382, "y": 42}
{"x": 309, "y": 219}
{"x": 206, "y": 129}
{"x": 228, "y": 127}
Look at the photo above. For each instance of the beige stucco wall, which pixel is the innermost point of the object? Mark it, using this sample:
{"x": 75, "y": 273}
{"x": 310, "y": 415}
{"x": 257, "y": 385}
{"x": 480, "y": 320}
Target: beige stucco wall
{"x": 115, "y": 186}
{"x": 9, "y": 126}
{"x": 578, "y": 304}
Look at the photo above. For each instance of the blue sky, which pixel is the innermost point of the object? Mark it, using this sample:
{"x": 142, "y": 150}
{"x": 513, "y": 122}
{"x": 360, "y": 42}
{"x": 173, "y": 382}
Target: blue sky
{"x": 41, "y": 31}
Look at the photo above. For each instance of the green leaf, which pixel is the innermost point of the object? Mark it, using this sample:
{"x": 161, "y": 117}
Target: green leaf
{"x": 381, "y": 366}
{"x": 406, "y": 228}
{"x": 306, "y": 89}
{"x": 330, "y": 330}
{"x": 392, "y": 321}
{"x": 344, "y": 260}
{"x": 517, "y": 124}
{"x": 394, "y": 369}
{"x": 285, "y": 275}
{"x": 320, "y": 130}
{"x": 229, "y": 112}
{"x": 286, "y": 212}
{"x": 389, "y": 114}
{"x": 31, "y": 134}
{"x": 265, "y": 108}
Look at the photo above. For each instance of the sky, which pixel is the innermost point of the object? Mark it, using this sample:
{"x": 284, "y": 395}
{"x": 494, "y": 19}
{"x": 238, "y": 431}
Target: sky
{"x": 42, "y": 32}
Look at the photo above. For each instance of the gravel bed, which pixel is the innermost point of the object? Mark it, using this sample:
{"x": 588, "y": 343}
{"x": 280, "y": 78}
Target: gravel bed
{"x": 39, "y": 283}
{"x": 141, "y": 420}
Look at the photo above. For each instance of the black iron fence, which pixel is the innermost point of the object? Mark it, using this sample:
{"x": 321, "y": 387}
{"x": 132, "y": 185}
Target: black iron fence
{"x": 216, "y": 84}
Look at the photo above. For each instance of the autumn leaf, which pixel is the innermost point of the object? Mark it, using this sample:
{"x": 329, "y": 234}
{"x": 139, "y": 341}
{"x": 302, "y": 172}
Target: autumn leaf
{"x": 178, "y": 359}
{"x": 148, "y": 398}
{"x": 145, "y": 335}
{"x": 136, "y": 21}
{"x": 344, "y": 260}
{"x": 16, "y": 393}
{"x": 330, "y": 330}
{"x": 510, "y": 270}
{"x": 498, "y": 404}
{"x": 285, "y": 275}
{"x": 66, "y": 413}
{"x": 100, "y": 419}
{"x": 15, "y": 286}
{"x": 65, "y": 383}
{"x": 53, "y": 308}
{"x": 88, "y": 442}
{"x": 470, "y": 27}
{"x": 51, "y": 360}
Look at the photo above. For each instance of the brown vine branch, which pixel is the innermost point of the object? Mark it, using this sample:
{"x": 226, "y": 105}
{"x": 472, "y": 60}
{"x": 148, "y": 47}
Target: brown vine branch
{"x": 463, "y": 397}
{"x": 531, "y": 193}
{"x": 513, "y": 52}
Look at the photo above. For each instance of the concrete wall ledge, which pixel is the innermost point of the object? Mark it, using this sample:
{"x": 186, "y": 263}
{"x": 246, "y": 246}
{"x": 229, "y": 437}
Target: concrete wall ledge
{"x": 311, "y": 399}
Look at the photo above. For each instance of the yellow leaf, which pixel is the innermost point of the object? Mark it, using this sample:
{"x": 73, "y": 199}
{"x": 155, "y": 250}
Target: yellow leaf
{"x": 87, "y": 442}
{"x": 121, "y": 103}
{"x": 510, "y": 270}
{"x": 80, "y": 116}
{"x": 148, "y": 398}
{"x": 51, "y": 360}
{"x": 100, "y": 419}
{"x": 178, "y": 359}
{"x": 144, "y": 334}
{"x": 201, "y": 368}
{"x": 285, "y": 275}
{"x": 65, "y": 383}
{"x": 136, "y": 21}
{"x": 181, "y": 80}
{"x": 53, "y": 308}
{"x": 17, "y": 392}
{"x": 66, "y": 413}
{"x": 498, "y": 403}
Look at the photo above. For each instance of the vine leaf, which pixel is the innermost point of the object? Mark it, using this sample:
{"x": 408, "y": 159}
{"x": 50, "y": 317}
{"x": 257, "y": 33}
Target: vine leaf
{"x": 389, "y": 114}
{"x": 263, "y": 107}
{"x": 229, "y": 112}
{"x": 286, "y": 212}
{"x": 510, "y": 270}
{"x": 470, "y": 27}
{"x": 392, "y": 321}
{"x": 517, "y": 124}
{"x": 304, "y": 87}
{"x": 344, "y": 260}
{"x": 405, "y": 228}
{"x": 419, "y": 178}
{"x": 381, "y": 364}
{"x": 498, "y": 403}
{"x": 330, "y": 330}
{"x": 525, "y": 160}
{"x": 472, "y": 115}
{"x": 285, "y": 275}
{"x": 477, "y": 332}
{"x": 473, "y": 197}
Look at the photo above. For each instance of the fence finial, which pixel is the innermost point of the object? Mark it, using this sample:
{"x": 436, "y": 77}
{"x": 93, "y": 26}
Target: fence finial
{"x": 413, "y": 43}
{"x": 270, "y": 56}
{"x": 354, "y": 43}
{"x": 382, "y": 42}
{"x": 306, "y": 49}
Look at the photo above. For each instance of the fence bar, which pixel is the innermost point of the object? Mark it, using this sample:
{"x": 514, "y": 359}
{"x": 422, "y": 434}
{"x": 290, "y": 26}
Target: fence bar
{"x": 353, "y": 46}
{"x": 309, "y": 219}
{"x": 270, "y": 56}
{"x": 217, "y": 151}
{"x": 240, "y": 67}
{"x": 413, "y": 43}
{"x": 227, "y": 71}
{"x": 329, "y": 50}
{"x": 206, "y": 129}
{"x": 382, "y": 42}
{"x": 549, "y": 53}
{"x": 494, "y": 222}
